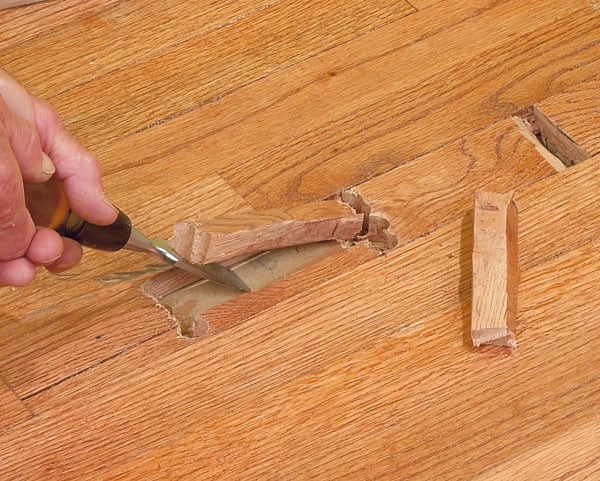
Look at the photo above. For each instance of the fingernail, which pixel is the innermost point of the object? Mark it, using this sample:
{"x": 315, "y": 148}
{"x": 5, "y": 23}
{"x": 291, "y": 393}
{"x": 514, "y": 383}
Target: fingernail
{"x": 48, "y": 168}
{"x": 108, "y": 202}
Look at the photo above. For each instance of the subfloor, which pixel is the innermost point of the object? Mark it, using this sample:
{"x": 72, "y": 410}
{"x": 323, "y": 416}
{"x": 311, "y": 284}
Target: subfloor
{"x": 360, "y": 366}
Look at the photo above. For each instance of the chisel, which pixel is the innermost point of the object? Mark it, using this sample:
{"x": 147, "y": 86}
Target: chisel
{"x": 49, "y": 208}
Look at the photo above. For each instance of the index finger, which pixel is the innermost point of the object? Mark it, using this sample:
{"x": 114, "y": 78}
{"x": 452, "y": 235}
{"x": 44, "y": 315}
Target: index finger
{"x": 75, "y": 166}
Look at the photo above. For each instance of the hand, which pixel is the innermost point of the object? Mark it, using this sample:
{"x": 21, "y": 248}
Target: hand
{"x": 34, "y": 145}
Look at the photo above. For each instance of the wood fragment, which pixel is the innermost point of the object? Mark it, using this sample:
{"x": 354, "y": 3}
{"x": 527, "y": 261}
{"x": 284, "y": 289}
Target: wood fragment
{"x": 495, "y": 270}
{"x": 225, "y": 238}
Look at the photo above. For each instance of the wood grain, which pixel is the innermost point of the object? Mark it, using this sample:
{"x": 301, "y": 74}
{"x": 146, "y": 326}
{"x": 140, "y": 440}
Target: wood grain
{"x": 438, "y": 187}
{"x": 418, "y": 112}
{"x": 345, "y": 375}
{"x": 495, "y": 270}
{"x": 16, "y": 3}
{"x": 70, "y": 63}
{"x": 223, "y": 238}
{"x": 360, "y": 366}
{"x": 77, "y": 326}
{"x": 12, "y": 409}
{"x": 209, "y": 65}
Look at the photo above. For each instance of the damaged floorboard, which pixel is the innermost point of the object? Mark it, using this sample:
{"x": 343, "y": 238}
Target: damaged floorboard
{"x": 222, "y": 108}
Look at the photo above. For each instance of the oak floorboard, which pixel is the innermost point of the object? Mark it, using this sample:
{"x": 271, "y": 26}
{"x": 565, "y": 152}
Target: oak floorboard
{"x": 434, "y": 189}
{"x": 421, "y": 4}
{"x": 167, "y": 81}
{"x": 25, "y": 23}
{"x": 362, "y": 369}
{"x": 76, "y": 51}
{"x": 332, "y": 122}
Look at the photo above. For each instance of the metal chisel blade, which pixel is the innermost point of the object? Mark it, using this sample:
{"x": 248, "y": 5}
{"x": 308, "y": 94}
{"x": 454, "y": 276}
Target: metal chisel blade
{"x": 213, "y": 272}
{"x": 216, "y": 273}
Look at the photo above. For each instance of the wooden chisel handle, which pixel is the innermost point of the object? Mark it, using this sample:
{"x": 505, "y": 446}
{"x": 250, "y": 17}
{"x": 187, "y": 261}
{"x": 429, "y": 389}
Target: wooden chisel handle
{"x": 49, "y": 208}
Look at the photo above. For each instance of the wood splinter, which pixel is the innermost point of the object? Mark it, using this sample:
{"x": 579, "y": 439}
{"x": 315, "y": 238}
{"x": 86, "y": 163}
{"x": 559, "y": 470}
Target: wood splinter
{"x": 224, "y": 238}
{"x": 495, "y": 270}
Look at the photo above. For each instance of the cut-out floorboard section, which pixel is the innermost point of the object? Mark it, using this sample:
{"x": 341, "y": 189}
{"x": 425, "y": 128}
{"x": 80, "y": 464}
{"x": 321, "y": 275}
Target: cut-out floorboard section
{"x": 41, "y": 330}
{"x": 191, "y": 304}
{"x": 495, "y": 270}
{"x": 568, "y": 122}
{"x": 12, "y": 409}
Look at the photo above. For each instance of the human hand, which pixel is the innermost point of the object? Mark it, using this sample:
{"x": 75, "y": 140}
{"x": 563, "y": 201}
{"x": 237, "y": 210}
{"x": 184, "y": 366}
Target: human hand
{"x": 34, "y": 145}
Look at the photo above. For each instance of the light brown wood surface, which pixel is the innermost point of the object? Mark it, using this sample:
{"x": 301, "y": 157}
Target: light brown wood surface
{"x": 359, "y": 366}
{"x": 224, "y": 238}
{"x": 495, "y": 270}
{"x": 16, "y": 3}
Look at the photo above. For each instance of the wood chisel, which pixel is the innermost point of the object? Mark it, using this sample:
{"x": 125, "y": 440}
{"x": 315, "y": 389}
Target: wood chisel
{"x": 49, "y": 208}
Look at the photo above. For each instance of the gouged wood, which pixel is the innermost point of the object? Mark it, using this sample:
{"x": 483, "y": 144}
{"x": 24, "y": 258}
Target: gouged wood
{"x": 495, "y": 270}
{"x": 526, "y": 129}
{"x": 224, "y": 238}
{"x": 557, "y": 141}
{"x": 568, "y": 122}
{"x": 279, "y": 275}
{"x": 188, "y": 304}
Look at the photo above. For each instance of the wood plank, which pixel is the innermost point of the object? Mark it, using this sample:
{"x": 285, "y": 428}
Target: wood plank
{"x": 224, "y": 59}
{"x": 302, "y": 108}
{"x": 495, "y": 270}
{"x": 76, "y": 50}
{"x": 419, "y": 112}
{"x": 23, "y": 24}
{"x": 12, "y": 410}
{"x": 552, "y": 200}
{"x": 572, "y": 454}
{"x": 421, "y": 4}
{"x": 224, "y": 238}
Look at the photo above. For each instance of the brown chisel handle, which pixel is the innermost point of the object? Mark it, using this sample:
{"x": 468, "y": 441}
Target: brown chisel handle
{"x": 49, "y": 208}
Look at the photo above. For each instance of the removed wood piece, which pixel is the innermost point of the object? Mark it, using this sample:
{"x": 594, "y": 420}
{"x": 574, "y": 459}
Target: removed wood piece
{"x": 224, "y": 238}
{"x": 495, "y": 270}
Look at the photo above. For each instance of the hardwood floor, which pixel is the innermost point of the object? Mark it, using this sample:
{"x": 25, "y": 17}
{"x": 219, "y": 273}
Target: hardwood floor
{"x": 359, "y": 366}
